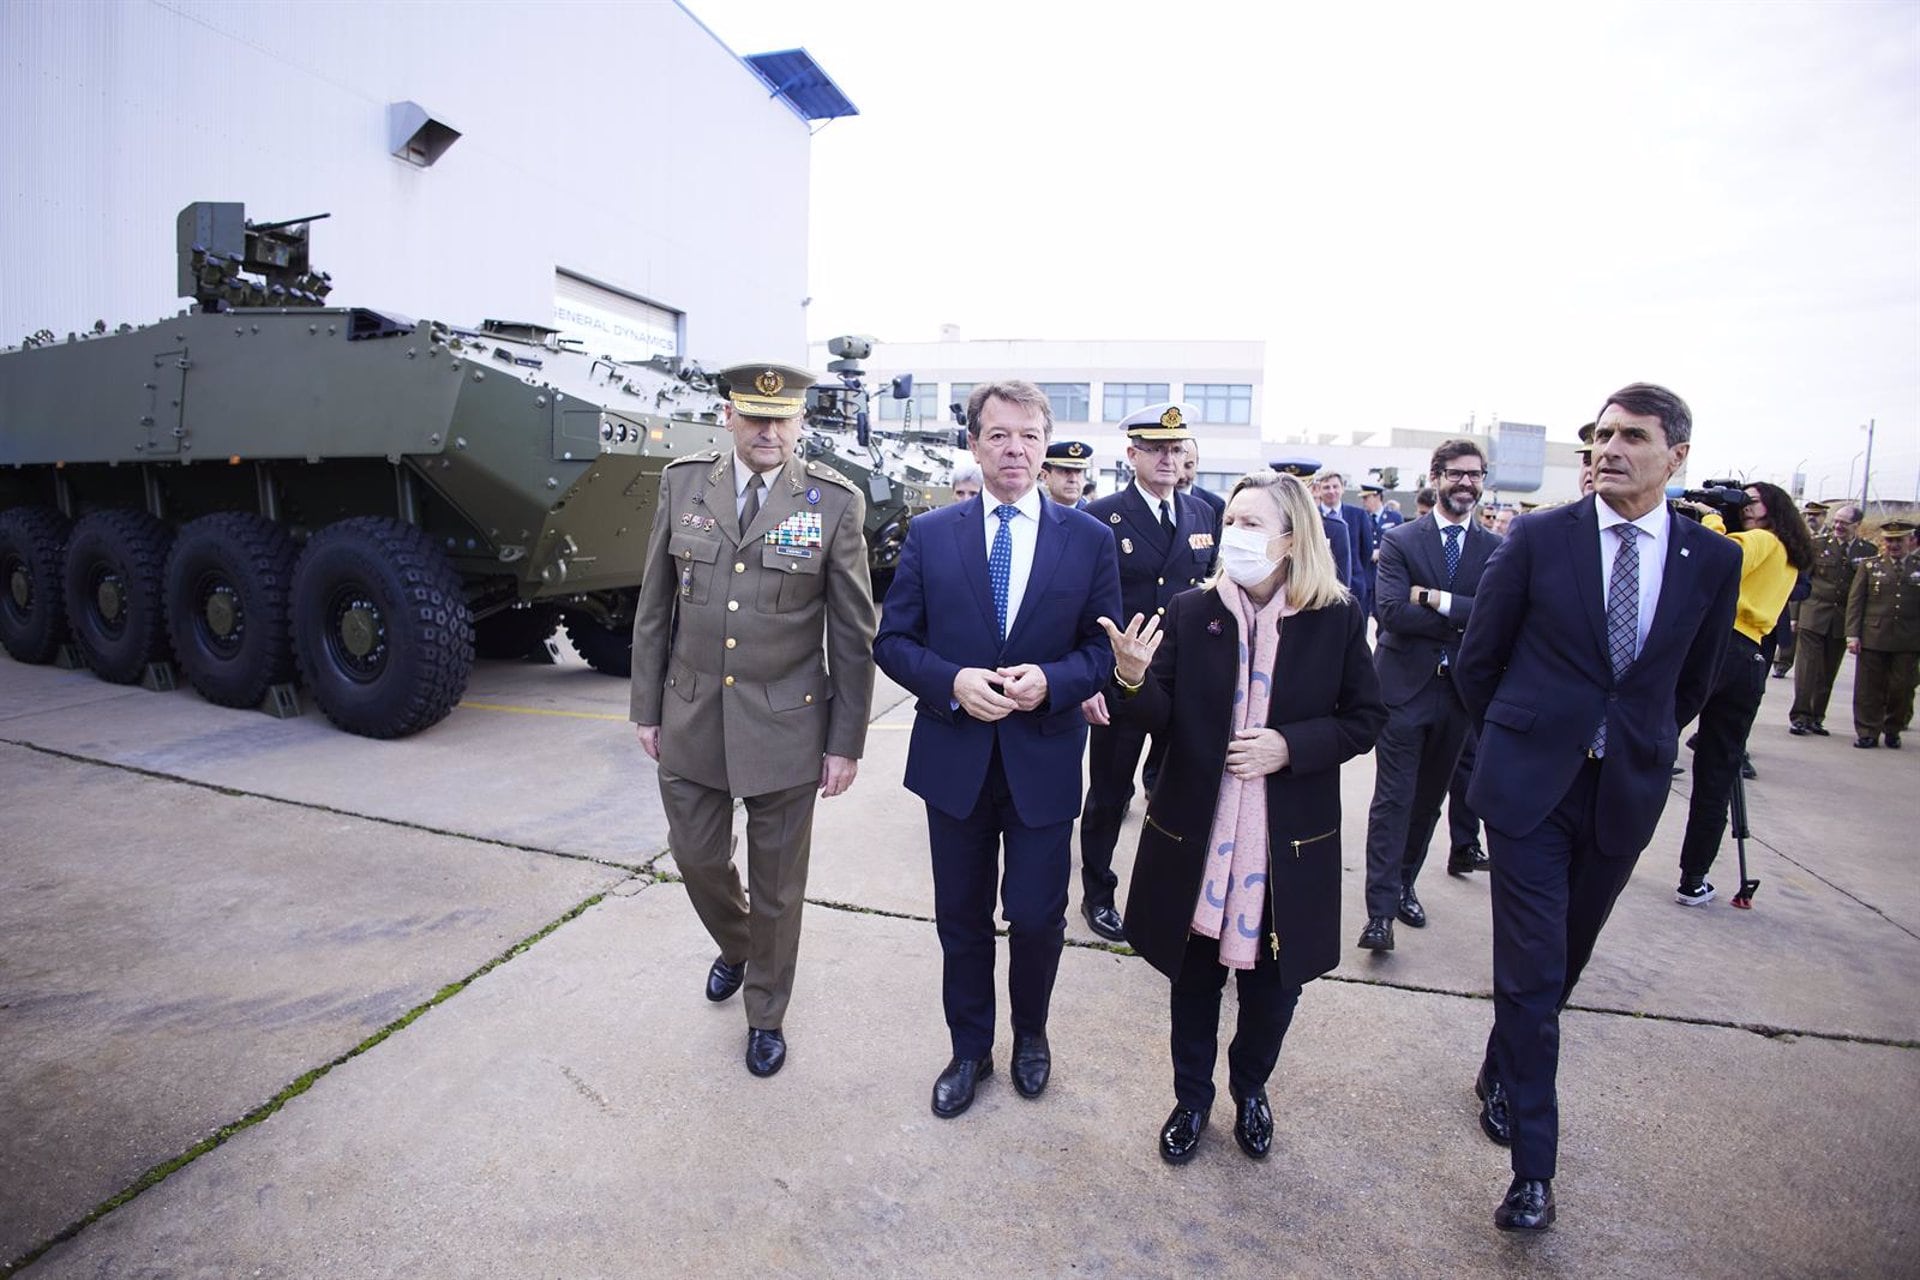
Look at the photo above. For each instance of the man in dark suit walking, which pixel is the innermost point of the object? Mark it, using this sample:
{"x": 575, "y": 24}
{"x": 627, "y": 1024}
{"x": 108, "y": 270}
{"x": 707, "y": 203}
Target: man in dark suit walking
{"x": 992, "y": 623}
{"x": 1596, "y": 633}
{"x": 1330, "y": 488}
{"x": 1429, "y": 571}
{"x": 1166, "y": 543}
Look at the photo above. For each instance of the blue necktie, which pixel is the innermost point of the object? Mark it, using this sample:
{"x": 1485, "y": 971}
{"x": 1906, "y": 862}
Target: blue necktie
{"x": 1000, "y": 563}
{"x": 1453, "y": 552}
{"x": 1623, "y": 614}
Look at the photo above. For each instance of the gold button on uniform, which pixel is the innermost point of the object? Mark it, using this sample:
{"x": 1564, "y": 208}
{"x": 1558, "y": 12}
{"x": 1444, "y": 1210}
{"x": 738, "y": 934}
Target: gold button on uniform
{"x": 731, "y": 642}
{"x": 733, "y": 606}
{"x": 728, "y": 682}
{"x": 739, "y": 566}
{"x": 809, "y": 697}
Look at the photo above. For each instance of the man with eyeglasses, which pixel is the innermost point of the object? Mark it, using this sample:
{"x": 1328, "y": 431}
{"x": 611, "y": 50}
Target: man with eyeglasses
{"x": 1166, "y": 544}
{"x": 1820, "y": 631}
{"x": 1428, "y": 573}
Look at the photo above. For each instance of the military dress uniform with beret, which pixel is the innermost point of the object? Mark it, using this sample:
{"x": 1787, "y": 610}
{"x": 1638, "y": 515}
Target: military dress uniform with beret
{"x": 753, "y": 653}
{"x": 1820, "y": 628}
{"x": 1155, "y": 566}
{"x": 1883, "y": 614}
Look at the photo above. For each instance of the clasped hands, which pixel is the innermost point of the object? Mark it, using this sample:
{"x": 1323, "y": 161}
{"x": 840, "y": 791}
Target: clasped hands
{"x": 997, "y": 693}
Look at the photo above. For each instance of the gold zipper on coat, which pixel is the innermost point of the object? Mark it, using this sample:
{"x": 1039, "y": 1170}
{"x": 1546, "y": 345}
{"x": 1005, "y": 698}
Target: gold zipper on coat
{"x": 1313, "y": 840}
{"x": 1273, "y": 913}
{"x": 1163, "y": 831}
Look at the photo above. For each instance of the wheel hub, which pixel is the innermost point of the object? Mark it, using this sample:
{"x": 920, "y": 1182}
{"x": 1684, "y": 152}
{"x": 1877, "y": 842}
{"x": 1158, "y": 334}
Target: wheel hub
{"x": 110, "y": 594}
{"x": 20, "y": 587}
{"x": 363, "y": 634}
{"x": 223, "y": 612}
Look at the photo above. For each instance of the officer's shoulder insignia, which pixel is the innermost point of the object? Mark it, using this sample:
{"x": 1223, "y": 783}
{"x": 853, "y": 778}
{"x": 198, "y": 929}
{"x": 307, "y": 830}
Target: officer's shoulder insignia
{"x": 705, "y": 455}
{"x": 822, "y": 471}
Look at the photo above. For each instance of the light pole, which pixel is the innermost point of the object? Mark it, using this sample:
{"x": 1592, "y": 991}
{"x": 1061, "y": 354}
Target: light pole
{"x": 1866, "y": 472}
{"x": 1851, "y": 463}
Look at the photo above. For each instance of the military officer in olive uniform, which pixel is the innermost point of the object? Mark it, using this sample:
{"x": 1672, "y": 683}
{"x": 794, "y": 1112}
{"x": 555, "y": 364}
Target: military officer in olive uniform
{"x": 1166, "y": 545}
{"x": 1883, "y": 627}
{"x": 752, "y": 675}
{"x": 1820, "y": 626}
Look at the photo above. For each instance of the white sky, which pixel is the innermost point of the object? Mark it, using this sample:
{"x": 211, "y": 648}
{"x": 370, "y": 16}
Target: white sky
{"x": 1425, "y": 210}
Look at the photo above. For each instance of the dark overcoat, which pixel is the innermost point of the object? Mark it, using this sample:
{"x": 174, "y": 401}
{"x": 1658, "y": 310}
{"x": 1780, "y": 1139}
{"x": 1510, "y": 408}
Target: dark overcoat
{"x": 1325, "y": 703}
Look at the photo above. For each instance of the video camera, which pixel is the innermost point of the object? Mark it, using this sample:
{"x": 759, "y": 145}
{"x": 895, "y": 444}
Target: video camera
{"x": 1728, "y": 498}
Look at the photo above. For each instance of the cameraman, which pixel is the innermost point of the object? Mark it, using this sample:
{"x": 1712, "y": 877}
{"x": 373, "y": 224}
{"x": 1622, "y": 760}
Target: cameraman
{"x": 1775, "y": 548}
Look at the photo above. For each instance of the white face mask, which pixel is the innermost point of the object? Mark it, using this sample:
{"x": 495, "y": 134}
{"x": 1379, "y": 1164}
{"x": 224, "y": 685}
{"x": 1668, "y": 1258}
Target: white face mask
{"x": 1243, "y": 555}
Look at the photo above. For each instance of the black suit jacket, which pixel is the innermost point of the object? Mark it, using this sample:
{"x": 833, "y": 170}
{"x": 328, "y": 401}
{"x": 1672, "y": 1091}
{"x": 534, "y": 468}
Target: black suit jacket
{"x": 1325, "y": 703}
{"x": 1415, "y": 639}
{"x": 1154, "y": 568}
{"x": 1535, "y": 673}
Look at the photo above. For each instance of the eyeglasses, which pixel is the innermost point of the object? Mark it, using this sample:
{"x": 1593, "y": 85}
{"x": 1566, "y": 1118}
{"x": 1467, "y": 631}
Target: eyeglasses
{"x": 1452, "y": 476}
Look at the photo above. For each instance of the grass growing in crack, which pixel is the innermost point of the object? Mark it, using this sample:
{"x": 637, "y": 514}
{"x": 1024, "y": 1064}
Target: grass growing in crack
{"x": 161, "y": 1172}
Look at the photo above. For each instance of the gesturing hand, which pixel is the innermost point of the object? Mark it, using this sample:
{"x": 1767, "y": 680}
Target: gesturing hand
{"x": 973, "y": 690}
{"x": 1133, "y": 649}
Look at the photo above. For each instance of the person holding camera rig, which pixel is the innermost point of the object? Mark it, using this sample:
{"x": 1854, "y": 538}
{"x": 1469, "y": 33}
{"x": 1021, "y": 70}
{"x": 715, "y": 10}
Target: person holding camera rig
{"x": 1775, "y": 548}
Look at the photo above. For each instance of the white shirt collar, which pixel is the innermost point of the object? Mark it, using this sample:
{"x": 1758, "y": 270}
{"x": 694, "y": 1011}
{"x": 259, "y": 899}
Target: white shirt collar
{"x": 1028, "y": 505}
{"x": 1653, "y": 524}
{"x": 1441, "y": 518}
{"x": 1153, "y": 503}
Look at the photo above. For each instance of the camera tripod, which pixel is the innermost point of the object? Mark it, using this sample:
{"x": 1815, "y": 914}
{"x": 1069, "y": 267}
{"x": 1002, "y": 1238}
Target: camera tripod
{"x": 1743, "y": 897}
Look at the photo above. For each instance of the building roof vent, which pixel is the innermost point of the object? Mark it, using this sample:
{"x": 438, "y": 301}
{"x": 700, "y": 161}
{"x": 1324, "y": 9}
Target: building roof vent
{"x": 417, "y": 137}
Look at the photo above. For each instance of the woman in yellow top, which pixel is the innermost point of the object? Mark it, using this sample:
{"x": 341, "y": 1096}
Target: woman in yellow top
{"x": 1774, "y": 547}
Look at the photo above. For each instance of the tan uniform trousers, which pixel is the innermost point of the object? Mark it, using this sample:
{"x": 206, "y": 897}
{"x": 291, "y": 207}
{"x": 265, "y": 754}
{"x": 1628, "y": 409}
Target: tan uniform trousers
{"x": 1883, "y": 688}
{"x": 779, "y": 840}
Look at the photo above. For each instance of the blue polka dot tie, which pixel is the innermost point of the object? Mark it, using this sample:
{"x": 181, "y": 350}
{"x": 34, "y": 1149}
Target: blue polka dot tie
{"x": 1000, "y": 563}
{"x": 1453, "y": 552}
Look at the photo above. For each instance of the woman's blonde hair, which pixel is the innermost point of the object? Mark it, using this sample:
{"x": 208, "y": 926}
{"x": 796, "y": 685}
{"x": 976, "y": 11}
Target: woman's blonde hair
{"x": 1312, "y": 581}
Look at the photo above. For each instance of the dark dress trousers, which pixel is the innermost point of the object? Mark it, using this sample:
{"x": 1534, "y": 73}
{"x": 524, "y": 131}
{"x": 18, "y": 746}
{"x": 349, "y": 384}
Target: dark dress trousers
{"x": 1565, "y": 828}
{"x": 1326, "y": 704}
{"x": 1014, "y": 780}
{"x": 1153, "y": 569}
{"x": 1361, "y": 541}
{"x": 1414, "y": 654}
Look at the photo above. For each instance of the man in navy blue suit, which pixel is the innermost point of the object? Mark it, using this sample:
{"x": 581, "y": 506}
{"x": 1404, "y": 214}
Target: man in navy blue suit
{"x": 1596, "y": 633}
{"x": 1330, "y": 488}
{"x": 992, "y": 623}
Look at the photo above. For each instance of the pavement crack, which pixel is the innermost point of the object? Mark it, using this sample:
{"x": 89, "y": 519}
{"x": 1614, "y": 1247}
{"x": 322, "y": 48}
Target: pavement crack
{"x": 159, "y": 1173}
{"x": 314, "y": 806}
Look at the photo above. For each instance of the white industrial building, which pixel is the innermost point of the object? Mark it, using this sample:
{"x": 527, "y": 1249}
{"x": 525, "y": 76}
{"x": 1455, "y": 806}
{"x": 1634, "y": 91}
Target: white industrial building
{"x": 577, "y": 166}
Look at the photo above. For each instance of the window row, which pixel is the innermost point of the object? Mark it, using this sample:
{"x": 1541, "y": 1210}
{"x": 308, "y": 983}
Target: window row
{"x": 1223, "y": 403}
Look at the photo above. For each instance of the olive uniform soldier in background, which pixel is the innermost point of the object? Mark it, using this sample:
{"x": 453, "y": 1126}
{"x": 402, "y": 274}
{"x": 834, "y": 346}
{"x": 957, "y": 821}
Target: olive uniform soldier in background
{"x": 1883, "y": 627}
{"x": 1820, "y": 628}
{"x": 752, "y": 675}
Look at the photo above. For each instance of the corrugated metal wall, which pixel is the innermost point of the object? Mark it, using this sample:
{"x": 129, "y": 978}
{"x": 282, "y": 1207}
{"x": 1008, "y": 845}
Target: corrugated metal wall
{"x": 618, "y": 141}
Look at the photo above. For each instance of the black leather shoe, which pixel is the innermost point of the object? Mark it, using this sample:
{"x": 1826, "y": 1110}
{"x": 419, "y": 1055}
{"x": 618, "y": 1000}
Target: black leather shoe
{"x": 1104, "y": 921}
{"x": 953, "y": 1091}
{"x": 724, "y": 979}
{"x": 1818, "y": 730}
{"x": 1865, "y": 744}
{"x": 766, "y": 1051}
{"x": 1180, "y": 1135}
{"x": 1747, "y": 770}
{"x": 1466, "y": 859}
{"x": 1032, "y": 1063}
{"x": 1253, "y": 1125}
{"x": 1378, "y": 935}
{"x": 1893, "y": 740}
{"x": 1495, "y": 1121}
{"x": 1528, "y": 1206}
{"x": 1410, "y": 911}
{"x": 1799, "y": 728}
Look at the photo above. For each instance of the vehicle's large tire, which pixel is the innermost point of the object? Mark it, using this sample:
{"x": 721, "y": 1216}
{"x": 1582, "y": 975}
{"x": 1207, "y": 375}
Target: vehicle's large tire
{"x": 381, "y": 631}
{"x": 515, "y": 633}
{"x": 608, "y": 650}
{"x": 33, "y": 608}
{"x": 115, "y": 562}
{"x": 228, "y": 588}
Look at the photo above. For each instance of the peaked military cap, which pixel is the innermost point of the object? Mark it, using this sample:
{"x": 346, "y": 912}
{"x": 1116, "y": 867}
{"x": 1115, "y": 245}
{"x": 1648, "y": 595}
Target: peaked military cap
{"x": 1169, "y": 421}
{"x": 1305, "y": 468}
{"x": 767, "y": 390}
{"x": 1371, "y": 488}
{"x": 1069, "y": 455}
{"x": 1813, "y": 508}
{"x": 1897, "y": 528}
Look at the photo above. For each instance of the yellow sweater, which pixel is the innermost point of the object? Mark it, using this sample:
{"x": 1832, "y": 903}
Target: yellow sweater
{"x": 1766, "y": 579}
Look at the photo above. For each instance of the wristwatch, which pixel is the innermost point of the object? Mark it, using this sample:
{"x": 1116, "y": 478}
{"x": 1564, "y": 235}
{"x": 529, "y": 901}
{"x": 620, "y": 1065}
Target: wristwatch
{"x": 1128, "y": 690}
{"x": 1423, "y": 596}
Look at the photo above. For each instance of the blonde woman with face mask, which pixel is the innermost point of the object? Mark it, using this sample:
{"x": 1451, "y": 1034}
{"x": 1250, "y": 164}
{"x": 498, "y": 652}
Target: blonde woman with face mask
{"x": 1263, "y": 680}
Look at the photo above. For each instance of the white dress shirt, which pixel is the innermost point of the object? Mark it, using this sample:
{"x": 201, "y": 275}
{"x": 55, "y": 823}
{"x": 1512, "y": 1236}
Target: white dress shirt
{"x": 1654, "y": 532}
{"x": 1443, "y": 600}
{"x": 1025, "y": 531}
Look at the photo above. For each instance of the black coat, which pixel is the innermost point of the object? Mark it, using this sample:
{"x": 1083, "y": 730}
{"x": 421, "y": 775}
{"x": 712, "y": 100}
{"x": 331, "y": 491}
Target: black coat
{"x": 1326, "y": 703}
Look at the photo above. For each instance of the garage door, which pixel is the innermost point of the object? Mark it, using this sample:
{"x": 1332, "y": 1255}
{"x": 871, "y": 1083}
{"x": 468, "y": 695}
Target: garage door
{"x": 612, "y": 323}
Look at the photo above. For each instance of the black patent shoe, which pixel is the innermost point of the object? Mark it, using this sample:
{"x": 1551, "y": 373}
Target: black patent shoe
{"x": 1180, "y": 1135}
{"x": 1411, "y": 913}
{"x": 766, "y": 1051}
{"x": 1495, "y": 1119}
{"x": 1528, "y": 1206}
{"x": 1104, "y": 921}
{"x": 1032, "y": 1063}
{"x": 1253, "y": 1125}
{"x": 953, "y": 1091}
{"x": 724, "y": 979}
{"x": 1378, "y": 935}
{"x": 1465, "y": 859}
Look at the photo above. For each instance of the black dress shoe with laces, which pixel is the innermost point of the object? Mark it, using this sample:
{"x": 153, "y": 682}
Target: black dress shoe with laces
{"x": 1253, "y": 1124}
{"x": 1495, "y": 1120}
{"x": 1180, "y": 1135}
{"x": 1818, "y": 730}
{"x": 1865, "y": 744}
{"x": 1893, "y": 740}
{"x": 1378, "y": 935}
{"x": 1105, "y": 921}
{"x": 766, "y": 1051}
{"x": 1032, "y": 1063}
{"x": 1411, "y": 913}
{"x": 953, "y": 1091}
{"x": 1799, "y": 728}
{"x": 724, "y": 979}
{"x": 1747, "y": 770}
{"x": 1466, "y": 859}
{"x": 1528, "y": 1206}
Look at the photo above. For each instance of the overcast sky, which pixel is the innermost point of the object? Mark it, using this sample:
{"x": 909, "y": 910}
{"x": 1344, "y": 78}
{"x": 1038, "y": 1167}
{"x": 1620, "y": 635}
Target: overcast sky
{"x": 1426, "y": 211}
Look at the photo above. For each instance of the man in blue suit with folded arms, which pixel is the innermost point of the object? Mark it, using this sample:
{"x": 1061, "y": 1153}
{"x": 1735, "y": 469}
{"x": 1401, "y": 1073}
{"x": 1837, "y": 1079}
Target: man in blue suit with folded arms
{"x": 993, "y": 624}
{"x": 1596, "y": 633}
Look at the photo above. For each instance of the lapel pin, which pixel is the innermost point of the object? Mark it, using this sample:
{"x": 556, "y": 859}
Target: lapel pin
{"x": 1685, "y": 552}
{"x": 1213, "y": 628}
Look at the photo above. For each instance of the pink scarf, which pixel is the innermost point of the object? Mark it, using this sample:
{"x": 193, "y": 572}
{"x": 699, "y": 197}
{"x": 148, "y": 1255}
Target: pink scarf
{"x": 1237, "y": 845}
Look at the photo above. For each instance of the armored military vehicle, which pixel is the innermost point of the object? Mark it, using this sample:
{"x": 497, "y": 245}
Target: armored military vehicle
{"x": 265, "y": 486}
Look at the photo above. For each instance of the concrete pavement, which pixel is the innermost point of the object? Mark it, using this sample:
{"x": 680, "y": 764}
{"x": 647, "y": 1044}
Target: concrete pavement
{"x": 200, "y": 908}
